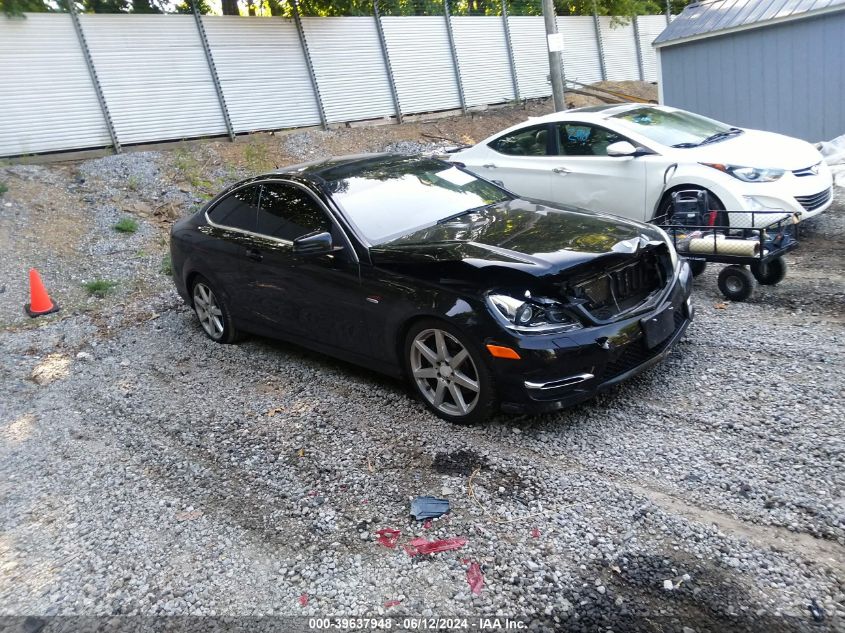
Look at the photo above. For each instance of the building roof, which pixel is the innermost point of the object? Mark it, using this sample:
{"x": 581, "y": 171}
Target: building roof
{"x": 715, "y": 17}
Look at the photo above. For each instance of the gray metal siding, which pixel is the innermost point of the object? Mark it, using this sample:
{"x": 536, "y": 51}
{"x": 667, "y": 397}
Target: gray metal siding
{"x": 262, "y": 72}
{"x": 422, "y": 63}
{"x": 798, "y": 90}
{"x": 154, "y": 75}
{"x": 528, "y": 34}
{"x": 47, "y": 99}
{"x": 620, "y": 50}
{"x": 350, "y": 67}
{"x": 580, "y": 48}
{"x": 650, "y": 27}
{"x": 483, "y": 58}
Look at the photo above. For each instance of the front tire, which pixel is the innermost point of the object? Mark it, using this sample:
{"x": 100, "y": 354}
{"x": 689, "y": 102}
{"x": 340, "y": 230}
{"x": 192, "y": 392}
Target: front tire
{"x": 697, "y": 266}
{"x": 449, "y": 372}
{"x": 213, "y": 313}
{"x": 736, "y": 283}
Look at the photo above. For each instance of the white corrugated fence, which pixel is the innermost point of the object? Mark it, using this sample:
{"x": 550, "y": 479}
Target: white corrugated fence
{"x": 154, "y": 77}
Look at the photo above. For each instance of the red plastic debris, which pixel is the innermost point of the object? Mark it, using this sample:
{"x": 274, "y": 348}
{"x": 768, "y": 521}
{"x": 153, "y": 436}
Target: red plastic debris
{"x": 422, "y": 546}
{"x": 303, "y": 600}
{"x": 365, "y": 501}
{"x": 535, "y": 533}
{"x": 392, "y": 603}
{"x": 475, "y": 578}
{"x": 427, "y": 525}
{"x": 388, "y": 537}
{"x": 313, "y": 493}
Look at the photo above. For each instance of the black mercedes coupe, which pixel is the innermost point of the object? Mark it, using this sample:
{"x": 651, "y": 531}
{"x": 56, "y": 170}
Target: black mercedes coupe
{"x": 419, "y": 269}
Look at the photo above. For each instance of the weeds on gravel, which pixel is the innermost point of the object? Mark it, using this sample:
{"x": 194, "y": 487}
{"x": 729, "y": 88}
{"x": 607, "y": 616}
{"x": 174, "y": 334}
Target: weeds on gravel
{"x": 255, "y": 155}
{"x": 133, "y": 183}
{"x": 3, "y": 188}
{"x": 191, "y": 169}
{"x": 126, "y": 225}
{"x": 166, "y": 266}
{"x": 100, "y": 287}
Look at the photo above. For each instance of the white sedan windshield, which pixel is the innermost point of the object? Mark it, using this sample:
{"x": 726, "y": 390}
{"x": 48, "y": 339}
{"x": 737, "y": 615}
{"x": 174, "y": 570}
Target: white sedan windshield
{"x": 675, "y": 128}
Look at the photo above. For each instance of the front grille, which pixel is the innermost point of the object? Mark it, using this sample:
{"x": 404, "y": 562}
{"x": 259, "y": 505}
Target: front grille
{"x": 812, "y": 170}
{"x": 815, "y": 201}
{"x": 635, "y": 354}
{"x": 623, "y": 287}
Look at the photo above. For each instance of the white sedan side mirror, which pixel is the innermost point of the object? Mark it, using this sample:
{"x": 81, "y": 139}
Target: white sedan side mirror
{"x": 621, "y": 148}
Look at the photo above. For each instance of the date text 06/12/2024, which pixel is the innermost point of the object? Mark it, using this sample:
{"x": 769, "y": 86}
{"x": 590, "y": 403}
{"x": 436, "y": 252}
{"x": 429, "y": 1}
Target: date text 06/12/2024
{"x": 492, "y": 623}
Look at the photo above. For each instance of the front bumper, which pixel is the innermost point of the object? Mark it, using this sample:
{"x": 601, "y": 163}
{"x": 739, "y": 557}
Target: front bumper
{"x": 557, "y": 371}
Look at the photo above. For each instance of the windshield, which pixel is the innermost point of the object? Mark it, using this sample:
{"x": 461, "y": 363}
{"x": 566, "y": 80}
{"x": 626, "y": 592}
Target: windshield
{"x": 675, "y": 128}
{"x": 393, "y": 197}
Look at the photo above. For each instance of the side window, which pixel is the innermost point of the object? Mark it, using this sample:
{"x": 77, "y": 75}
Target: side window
{"x": 238, "y": 210}
{"x": 288, "y": 212}
{"x": 532, "y": 141}
{"x": 579, "y": 139}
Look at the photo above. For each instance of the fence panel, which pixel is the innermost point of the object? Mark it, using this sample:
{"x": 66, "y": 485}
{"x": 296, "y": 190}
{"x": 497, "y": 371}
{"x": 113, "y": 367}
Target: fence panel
{"x": 650, "y": 27}
{"x": 580, "y": 48}
{"x": 262, "y": 72}
{"x": 422, "y": 63}
{"x": 620, "y": 51}
{"x": 528, "y": 34}
{"x": 154, "y": 75}
{"x": 483, "y": 57}
{"x": 47, "y": 100}
{"x": 350, "y": 68}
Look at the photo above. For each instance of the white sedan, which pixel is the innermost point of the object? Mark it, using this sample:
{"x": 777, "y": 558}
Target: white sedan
{"x": 629, "y": 159}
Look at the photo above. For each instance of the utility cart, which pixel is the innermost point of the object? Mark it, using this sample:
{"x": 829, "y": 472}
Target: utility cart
{"x": 752, "y": 243}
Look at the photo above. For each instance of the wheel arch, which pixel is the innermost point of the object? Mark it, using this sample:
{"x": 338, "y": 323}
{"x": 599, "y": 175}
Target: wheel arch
{"x": 681, "y": 187}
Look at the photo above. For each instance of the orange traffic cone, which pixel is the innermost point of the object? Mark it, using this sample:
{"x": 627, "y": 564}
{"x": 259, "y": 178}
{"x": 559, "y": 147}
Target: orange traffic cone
{"x": 40, "y": 302}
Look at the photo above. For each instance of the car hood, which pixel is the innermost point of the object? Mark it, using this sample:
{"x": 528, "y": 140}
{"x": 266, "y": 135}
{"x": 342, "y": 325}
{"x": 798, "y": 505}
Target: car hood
{"x": 755, "y": 148}
{"x": 530, "y": 236}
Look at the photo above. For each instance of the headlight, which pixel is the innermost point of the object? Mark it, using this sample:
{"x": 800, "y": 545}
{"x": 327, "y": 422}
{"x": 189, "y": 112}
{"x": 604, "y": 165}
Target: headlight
{"x": 748, "y": 174}
{"x": 531, "y": 315}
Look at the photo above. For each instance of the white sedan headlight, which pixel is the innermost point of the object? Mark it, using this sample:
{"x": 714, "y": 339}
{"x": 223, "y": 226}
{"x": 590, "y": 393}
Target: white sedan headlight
{"x": 748, "y": 174}
{"x": 531, "y": 315}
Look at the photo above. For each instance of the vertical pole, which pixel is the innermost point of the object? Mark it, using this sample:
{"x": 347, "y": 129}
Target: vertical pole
{"x": 295, "y": 10}
{"x": 509, "y": 44}
{"x": 454, "y": 55}
{"x": 639, "y": 48}
{"x": 390, "y": 78}
{"x": 668, "y": 11}
{"x": 213, "y": 70}
{"x": 89, "y": 62}
{"x": 555, "y": 63}
{"x": 600, "y": 43}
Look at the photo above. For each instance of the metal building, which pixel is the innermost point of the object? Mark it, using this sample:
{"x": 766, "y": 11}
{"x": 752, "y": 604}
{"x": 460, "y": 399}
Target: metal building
{"x": 776, "y": 65}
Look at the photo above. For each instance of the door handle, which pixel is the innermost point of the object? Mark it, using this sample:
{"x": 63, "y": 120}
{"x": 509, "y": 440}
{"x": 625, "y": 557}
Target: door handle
{"x": 254, "y": 254}
{"x": 489, "y": 166}
{"x": 561, "y": 170}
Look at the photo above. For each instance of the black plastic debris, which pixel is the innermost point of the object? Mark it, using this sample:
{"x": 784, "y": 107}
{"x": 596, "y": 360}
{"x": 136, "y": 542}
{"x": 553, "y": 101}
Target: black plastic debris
{"x": 428, "y": 508}
{"x": 816, "y": 610}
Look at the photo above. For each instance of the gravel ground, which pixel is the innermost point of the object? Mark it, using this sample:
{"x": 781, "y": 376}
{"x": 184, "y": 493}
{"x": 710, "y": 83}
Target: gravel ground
{"x": 146, "y": 470}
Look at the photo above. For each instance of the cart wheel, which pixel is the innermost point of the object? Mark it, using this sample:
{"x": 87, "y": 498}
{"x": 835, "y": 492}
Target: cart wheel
{"x": 736, "y": 283}
{"x": 697, "y": 266}
{"x": 770, "y": 273}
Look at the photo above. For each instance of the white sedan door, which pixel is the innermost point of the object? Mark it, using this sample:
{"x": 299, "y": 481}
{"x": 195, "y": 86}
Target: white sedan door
{"x": 585, "y": 176}
{"x": 519, "y": 161}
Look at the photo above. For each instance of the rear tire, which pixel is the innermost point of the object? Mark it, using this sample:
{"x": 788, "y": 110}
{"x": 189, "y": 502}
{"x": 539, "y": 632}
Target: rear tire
{"x": 213, "y": 312}
{"x": 448, "y": 371}
{"x": 736, "y": 283}
{"x": 770, "y": 273}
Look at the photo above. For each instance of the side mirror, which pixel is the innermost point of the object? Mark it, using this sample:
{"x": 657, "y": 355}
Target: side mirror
{"x": 620, "y": 149}
{"x": 623, "y": 149}
{"x": 313, "y": 244}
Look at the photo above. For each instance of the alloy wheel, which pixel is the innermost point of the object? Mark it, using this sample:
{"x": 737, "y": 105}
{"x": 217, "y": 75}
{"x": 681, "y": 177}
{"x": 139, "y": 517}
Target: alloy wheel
{"x": 444, "y": 372}
{"x": 208, "y": 311}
